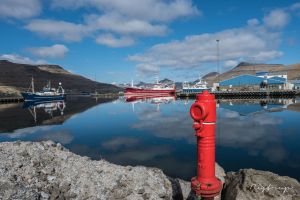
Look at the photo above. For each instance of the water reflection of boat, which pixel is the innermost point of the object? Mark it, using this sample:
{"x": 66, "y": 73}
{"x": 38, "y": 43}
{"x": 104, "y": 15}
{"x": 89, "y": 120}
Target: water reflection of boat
{"x": 49, "y": 107}
{"x": 152, "y": 99}
{"x": 256, "y": 106}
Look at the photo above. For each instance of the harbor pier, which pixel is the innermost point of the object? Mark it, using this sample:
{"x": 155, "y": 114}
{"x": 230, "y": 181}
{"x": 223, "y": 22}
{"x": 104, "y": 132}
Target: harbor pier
{"x": 246, "y": 94}
{"x": 11, "y": 100}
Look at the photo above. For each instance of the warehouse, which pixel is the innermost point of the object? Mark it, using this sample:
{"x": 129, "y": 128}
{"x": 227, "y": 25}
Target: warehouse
{"x": 296, "y": 84}
{"x": 250, "y": 82}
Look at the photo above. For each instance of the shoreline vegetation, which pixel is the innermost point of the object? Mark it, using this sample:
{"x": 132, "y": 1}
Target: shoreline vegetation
{"x": 47, "y": 170}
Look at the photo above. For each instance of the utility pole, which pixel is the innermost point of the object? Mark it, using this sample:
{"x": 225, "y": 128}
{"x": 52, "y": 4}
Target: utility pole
{"x": 218, "y": 61}
{"x": 218, "y": 65}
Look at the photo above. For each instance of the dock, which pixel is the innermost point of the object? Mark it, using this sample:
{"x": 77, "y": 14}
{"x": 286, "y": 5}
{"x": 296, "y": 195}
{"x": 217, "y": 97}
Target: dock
{"x": 11, "y": 100}
{"x": 246, "y": 94}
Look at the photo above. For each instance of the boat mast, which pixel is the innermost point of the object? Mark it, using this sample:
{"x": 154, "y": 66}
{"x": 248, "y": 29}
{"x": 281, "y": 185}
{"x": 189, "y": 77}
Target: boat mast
{"x": 32, "y": 84}
{"x": 96, "y": 84}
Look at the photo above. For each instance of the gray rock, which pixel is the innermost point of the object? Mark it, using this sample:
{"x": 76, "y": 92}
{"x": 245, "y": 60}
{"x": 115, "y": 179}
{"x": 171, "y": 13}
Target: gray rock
{"x": 41, "y": 171}
{"x": 261, "y": 185}
{"x": 45, "y": 195}
{"x": 176, "y": 188}
{"x": 45, "y": 170}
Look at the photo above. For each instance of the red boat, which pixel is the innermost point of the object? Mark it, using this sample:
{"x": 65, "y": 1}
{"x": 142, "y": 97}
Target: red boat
{"x": 157, "y": 89}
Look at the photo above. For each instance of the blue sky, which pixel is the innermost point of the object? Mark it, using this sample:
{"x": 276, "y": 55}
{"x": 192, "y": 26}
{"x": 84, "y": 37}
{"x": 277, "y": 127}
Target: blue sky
{"x": 119, "y": 40}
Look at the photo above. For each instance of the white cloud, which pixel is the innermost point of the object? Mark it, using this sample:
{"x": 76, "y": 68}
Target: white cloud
{"x": 19, "y": 9}
{"x": 277, "y": 19}
{"x": 248, "y": 42}
{"x": 268, "y": 55}
{"x": 295, "y": 6}
{"x": 126, "y": 20}
{"x": 61, "y": 30}
{"x": 124, "y": 26}
{"x": 111, "y": 41}
{"x": 231, "y": 63}
{"x": 95, "y": 24}
{"x": 147, "y": 69}
{"x": 54, "y": 51}
{"x": 253, "y": 22}
{"x": 15, "y": 58}
{"x": 148, "y": 10}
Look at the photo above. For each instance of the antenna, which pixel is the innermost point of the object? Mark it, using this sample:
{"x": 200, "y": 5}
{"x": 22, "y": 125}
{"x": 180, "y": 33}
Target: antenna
{"x": 218, "y": 66}
{"x": 218, "y": 59}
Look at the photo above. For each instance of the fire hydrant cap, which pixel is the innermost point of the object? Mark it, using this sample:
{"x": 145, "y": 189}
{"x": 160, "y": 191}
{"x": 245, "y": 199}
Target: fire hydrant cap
{"x": 205, "y": 96}
{"x": 198, "y": 111}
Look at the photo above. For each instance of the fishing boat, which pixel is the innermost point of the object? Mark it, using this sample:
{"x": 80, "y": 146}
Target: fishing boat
{"x": 47, "y": 94}
{"x": 156, "y": 89}
{"x": 195, "y": 88}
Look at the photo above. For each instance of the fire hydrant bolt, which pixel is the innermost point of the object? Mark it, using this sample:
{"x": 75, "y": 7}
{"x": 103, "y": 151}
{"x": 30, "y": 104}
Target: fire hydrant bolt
{"x": 203, "y": 112}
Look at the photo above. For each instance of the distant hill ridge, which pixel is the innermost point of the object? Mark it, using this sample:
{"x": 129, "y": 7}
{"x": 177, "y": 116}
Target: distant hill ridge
{"x": 293, "y": 71}
{"x": 16, "y": 77}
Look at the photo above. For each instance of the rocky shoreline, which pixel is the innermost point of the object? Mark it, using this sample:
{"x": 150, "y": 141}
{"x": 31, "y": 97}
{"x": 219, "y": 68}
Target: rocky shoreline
{"x": 46, "y": 170}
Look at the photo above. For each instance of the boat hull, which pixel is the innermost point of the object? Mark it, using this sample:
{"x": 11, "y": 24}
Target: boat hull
{"x": 148, "y": 91}
{"x": 34, "y": 97}
{"x": 194, "y": 90}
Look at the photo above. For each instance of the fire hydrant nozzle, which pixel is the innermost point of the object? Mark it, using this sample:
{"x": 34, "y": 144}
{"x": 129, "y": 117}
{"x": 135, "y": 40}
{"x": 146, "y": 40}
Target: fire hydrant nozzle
{"x": 203, "y": 112}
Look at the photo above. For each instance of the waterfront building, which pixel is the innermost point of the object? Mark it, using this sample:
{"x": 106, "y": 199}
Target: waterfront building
{"x": 267, "y": 75}
{"x": 296, "y": 84}
{"x": 251, "y": 82}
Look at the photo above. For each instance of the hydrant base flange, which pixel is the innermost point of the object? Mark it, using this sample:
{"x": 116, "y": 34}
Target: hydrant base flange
{"x": 206, "y": 189}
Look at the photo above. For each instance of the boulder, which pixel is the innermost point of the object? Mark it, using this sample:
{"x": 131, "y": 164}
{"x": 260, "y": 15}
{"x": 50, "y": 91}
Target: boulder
{"x": 261, "y": 185}
{"x": 45, "y": 170}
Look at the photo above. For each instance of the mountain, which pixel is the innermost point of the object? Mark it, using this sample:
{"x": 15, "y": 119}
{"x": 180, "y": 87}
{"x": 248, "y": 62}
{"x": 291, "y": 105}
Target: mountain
{"x": 13, "y": 117}
{"x": 293, "y": 71}
{"x": 17, "y": 77}
{"x": 166, "y": 81}
{"x": 210, "y": 76}
{"x": 144, "y": 84}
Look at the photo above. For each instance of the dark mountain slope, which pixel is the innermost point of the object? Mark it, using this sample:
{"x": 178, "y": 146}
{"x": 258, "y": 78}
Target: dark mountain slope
{"x": 17, "y": 77}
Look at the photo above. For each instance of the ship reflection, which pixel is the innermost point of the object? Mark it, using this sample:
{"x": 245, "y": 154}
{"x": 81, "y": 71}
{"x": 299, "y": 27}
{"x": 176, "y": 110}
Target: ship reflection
{"x": 52, "y": 108}
{"x": 151, "y": 99}
{"x": 255, "y": 106}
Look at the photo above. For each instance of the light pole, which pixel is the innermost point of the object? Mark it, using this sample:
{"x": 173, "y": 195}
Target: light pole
{"x": 218, "y": 66}
{"x": 218, "y": 62}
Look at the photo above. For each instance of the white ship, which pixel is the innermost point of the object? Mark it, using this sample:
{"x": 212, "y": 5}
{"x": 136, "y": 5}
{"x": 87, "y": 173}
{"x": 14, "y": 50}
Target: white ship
{"x": 195, "y": 88}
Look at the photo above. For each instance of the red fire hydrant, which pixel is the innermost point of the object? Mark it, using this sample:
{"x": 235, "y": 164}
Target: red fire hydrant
{"x": 203, "y": 111}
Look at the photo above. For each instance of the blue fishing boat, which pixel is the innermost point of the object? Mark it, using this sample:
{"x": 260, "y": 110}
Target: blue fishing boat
{"x": 47, "y": 94}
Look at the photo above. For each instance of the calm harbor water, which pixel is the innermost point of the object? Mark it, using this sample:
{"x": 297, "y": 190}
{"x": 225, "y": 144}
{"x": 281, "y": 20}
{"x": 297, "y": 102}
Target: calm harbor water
{"x": 256, "y": 134}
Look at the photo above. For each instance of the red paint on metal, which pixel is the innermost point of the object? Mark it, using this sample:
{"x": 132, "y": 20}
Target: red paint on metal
{"x": 203, "y": 112}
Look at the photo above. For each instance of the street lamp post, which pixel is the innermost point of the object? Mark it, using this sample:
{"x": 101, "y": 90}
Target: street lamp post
{"x": 218, "y": 62}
